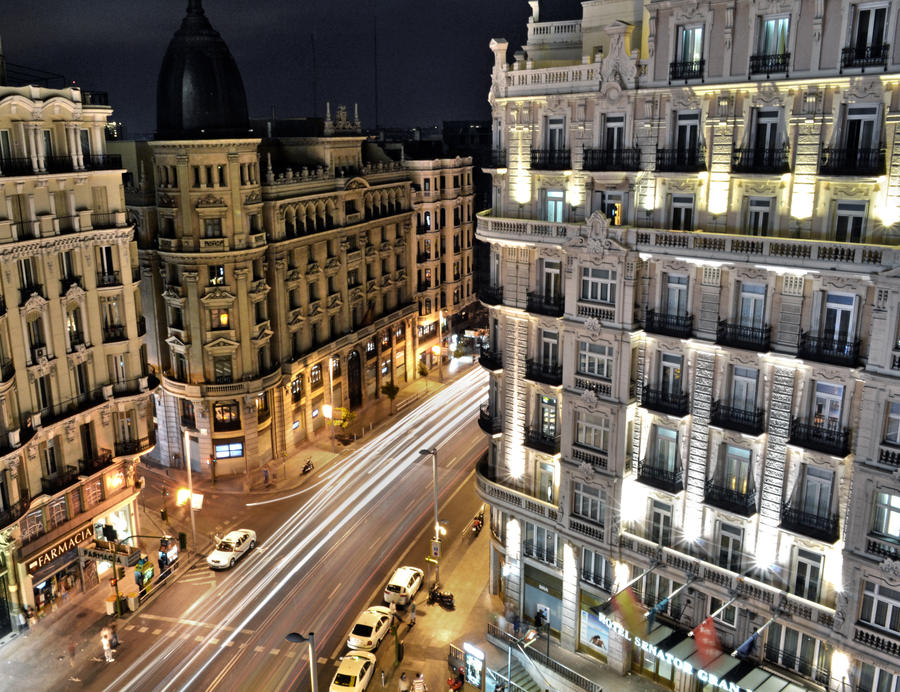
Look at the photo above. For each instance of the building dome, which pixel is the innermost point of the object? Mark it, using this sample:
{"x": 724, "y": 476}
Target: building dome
{"x": 200, "y": 93}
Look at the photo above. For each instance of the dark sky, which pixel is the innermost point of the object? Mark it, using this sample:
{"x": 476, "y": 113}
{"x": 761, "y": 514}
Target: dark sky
{"x": 433, "y": 57}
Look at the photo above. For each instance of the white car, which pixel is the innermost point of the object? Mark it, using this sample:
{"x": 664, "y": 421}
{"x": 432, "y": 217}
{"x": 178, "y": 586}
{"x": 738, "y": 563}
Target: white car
{"x": 370, "y": 628}
{"x": 231, "y": 548}
{"x": 403, "y": 585}
{"x": 354, "y": 673}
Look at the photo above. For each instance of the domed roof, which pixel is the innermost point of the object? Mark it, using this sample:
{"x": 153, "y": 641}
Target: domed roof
{"x": 200, "y": 93}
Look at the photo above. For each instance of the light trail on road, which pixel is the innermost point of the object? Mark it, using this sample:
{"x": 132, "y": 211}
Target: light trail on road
{"x": 265, "y": 581}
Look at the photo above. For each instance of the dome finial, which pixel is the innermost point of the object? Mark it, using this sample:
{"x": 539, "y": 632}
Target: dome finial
{"x": 195, "y": 7}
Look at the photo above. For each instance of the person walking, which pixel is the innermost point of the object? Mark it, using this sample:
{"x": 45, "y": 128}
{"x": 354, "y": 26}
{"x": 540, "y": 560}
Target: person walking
{"x": 403, "y": 685}
{"x": 72, "y": 648}
{"x": 266, "y": 475}
{"x": 113, "y": 636}
{"x": 393, "y": 609}
{"x": 419, "y": 683}
{"x": 412, "y": 614}
{"x": 107, "y": 648}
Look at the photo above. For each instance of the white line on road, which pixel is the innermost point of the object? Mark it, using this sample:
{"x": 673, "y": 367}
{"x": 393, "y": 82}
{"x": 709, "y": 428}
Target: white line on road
{"x": 336, "y": 588}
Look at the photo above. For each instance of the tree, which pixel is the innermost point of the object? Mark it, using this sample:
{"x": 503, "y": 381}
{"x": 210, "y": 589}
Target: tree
{"x": 390, "y": 390}
{"x": 347, "y": 417}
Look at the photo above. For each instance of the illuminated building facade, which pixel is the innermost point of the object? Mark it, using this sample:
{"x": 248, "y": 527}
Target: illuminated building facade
{"x": 75, "y": 402}
{"x": 694, "y": 339}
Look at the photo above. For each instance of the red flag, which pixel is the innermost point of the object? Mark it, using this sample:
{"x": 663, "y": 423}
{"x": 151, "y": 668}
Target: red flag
{"x": 707, "y": 642}
{"x": 630, "y": 611}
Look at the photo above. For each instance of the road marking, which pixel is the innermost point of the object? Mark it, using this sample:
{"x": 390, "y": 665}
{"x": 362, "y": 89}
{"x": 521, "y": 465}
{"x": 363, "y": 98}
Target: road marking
{"x": 214, "y": 640}
{"x": 274, "y": 652}
{"x": 128, "y": 628}
{"x": 143, "y": 629}
{"x": 195, "y": 623}
{"x": 259, "y": 649}
{"x": 156, "y": 632}
{"x": 331, "y": 595}
{"x": 198, "y": 638}
{"x": 452, "y": 461}
{"x": 337, "y": 650}
{"x": 230, "y": 642}
{"x": 289, "y": 653}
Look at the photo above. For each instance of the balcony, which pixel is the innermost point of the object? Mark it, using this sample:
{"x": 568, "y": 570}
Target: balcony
{"x": 671, "y": 403}
{"x": 730, "y": 500}
{"x": 66, "y": 282}
{"x": 741, "y": 336}
{"x": 65, "y": 478}
{"x": 681, "y": 160}
{"x": 488, "y": 422}
{"x": 106, "y": 279}
{"x": 16, "y": 166}
{"x": 686, "y": 70}
{"x": 827, "y": 349}
{"x": 820, "y": 438}
{"x": 26, "y": 291}
{"x": 424, "y": 257}
{"x": 541, "y": 440}
{"x": 547, "y": 554}
{"x": 594, "y": 457}
{"x": 552, "y": 306}
{"x": 126, "y": 447}
{"x": 227, "y": 425}
{"x": 545, "y": 373}
{"x": 663, "y": 479}
{"x": 551, "y": 159}
{"x": 114, "y": 332}
{"x": 490, "y": 359}
{"x": 835, "y": 161}
{"x": 90, "y": 466}
{"x": 600, "y": 387}
{"x": 76, "y": 338}
{"x": 59, "y": 164}
{"x": 500, "y": 490}
{"x": 775, "y": 63}
{"x": 889, "y": 455}
{"x": 612, "y": 160}
{"x": 731, "y": 418}
{"x": 605, "y": 582}
{"x": 7, "y": 370}
{"x": 102, "y": 162}
{"x": 865, "y": 56}
{"x": 884, "y": 643}
{"x": 883, "y": 547}
{"x": 752, "y": 160}
{"x": 424, "y": 286}
{"x": 587, "y": 527}
{"x": 822, "y": 528}
{"x": 497, "y": 159}
{"x": 681, "y": 326}
{"x": 491, "y": 295}
{"x": 14, "y": 511}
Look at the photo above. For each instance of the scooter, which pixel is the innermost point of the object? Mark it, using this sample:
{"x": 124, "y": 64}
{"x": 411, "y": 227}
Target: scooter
{"x": 478, "y": 523}
{"x": 442, "y": 598}
{"x": 455, "y": 683}
{"x": 308, "y": 466}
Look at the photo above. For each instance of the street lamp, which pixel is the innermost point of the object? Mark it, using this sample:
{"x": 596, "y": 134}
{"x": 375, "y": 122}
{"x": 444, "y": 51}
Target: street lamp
{"x": 187, "y": 456}
{"x": 440, "y": 346}
{"x": 311, "y": 640}
{"x": 328, "y": 412}
{"x": 437, "y": 524}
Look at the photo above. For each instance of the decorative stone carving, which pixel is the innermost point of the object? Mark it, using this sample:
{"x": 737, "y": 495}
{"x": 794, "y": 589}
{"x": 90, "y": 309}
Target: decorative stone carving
{"x": 588, "y": 397}
{"x": 890, "y": 570}
{"x": 70, "y": 430}
{"x": 592, "y": 324}
{"x": 209, "y": 201}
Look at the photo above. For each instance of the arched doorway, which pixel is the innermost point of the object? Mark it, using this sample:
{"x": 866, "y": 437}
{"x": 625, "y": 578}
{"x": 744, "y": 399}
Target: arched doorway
{"x": 354, "y": 379}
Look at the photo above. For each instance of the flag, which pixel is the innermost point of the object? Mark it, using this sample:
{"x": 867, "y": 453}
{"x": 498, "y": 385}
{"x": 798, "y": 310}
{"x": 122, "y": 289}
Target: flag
{"x": 746, "y": 648}
{"x": 629, "y": 610}
{"x": 651, "y": 616}
{"x": 707, "y": 641}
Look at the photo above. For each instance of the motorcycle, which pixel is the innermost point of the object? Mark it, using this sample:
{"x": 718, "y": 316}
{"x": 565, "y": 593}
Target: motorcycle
{"x": 478, "y": 522}
{"x": 308, "y": 466}
{"x": 455, "y": 683}
{"x": 442, "y": 598}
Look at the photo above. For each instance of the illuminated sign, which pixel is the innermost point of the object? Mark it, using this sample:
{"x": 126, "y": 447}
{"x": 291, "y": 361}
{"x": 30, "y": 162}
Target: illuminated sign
{"x": 474, "y": 665}
{"x": 68, "y": 543}
{"x": 702, "y": 675}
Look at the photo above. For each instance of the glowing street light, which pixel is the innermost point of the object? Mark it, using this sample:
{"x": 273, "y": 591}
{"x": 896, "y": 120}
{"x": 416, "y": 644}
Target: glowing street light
{"x": 437, "y": 523}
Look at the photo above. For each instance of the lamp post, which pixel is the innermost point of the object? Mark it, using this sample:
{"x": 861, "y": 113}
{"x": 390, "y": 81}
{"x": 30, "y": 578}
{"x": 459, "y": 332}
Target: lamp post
{"x": 440, "y": 345}
{"x": 187, "y": 456}
{"x": 437, "y": 525}
{"x": 311, "y": 640}
{"x": 328, "y": 409}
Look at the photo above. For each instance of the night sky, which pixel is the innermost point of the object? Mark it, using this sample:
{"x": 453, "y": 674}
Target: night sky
{"x": 433, "y": 57}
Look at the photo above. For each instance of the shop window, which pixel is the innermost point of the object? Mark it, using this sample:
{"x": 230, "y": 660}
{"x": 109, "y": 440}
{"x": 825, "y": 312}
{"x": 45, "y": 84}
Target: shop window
{"x": 229, "y": 450}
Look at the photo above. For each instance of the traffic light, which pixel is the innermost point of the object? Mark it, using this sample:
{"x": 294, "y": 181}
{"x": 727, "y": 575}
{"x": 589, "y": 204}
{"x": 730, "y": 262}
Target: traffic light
{"x": 164, "y": 515}
{"x": 182, "y": 540}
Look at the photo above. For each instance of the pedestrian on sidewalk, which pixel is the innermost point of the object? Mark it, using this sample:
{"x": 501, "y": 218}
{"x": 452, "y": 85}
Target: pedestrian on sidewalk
{"x": 412, "y": 614}
{"x": 107, "y": 647}
{"x": 72, "y": 648}
{"x": 403, "y": 685}
{"x": 393, "y": 608}
{"x": 113, "y": 636}
{"x": 266, "y": 475}
{"x": 419, "y": 683}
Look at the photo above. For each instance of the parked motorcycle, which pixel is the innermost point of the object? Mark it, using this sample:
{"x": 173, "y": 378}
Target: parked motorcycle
{"x": 442, "y": 598}
{"x": 455, "y": 683}
{"x": 478, "y": 522}
{"x": 308, "y": 466}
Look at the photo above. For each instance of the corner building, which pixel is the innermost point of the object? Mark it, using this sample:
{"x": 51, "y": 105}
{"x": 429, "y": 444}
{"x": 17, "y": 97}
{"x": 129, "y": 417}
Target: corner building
{"x": 694, "y": 334}
{"x": 76, "y": 406}
{"x": 277, "y": 263}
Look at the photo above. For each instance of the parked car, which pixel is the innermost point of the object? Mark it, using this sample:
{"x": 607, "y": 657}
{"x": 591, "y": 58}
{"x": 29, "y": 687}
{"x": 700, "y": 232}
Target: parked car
{"x": 403, "y": 586}
{"x": 231, "y": 548}
{"x": 370, "y": 628}
{"x": 354, "y": 673}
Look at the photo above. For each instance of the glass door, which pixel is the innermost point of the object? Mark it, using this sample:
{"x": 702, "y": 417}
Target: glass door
{"x": 549, "y": 348}
{"x": 548, "y": 416}
{"x": 676, "y": 295}
{"x": 838, "y": 317}
{"x": 661, "y": 523}
{"x": 773, "y": 36}
{"x": 555, "y": 202}
{"x": 691, "y": 48}
{"x": 817, "y": 492}
{"x": 743, "y": 389}
{"x": 827, "y": 405}
{"x": 670, "y": 374}
{"x": 753, "y": 305}
{"x": 552, "y": 280}
{"x": 666, "y": 448}
{"x": 545, "y": 482}
{"x": 737, "y": 469}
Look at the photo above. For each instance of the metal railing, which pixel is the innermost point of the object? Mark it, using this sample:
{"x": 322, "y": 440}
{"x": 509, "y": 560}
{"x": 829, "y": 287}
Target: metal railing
{"x": 16, "y": 166}
{"x": 612, "y": 159}
{"x": 820, "y": 437}
{"x": 551, "y": 159}
{"x": 497, "y": 159}
{"x": 772, "y": 63}
{"x": 542, "y": 441}
{"x": 490, "y": 359}
{"x": 669, "y": 480}
{"x": 546, "y": 373}
{"x": 490, "y": 295}
{"x": 552, "y": 306}
{"x": 742, "y": 336}
{"x": 114, "y": 332}
{"x": 547, "y": 554}
{"x": 689, "y": 69}
{"x": 865, "y": 56}
{"x": 730, "y": 500}
{"x": 753, "y": 160}
{"x": 828, "y": 349}
{"x": 846, "y": 161}
{"x": 594, "y": 457}
{"x": 734, "y": 418}
{"x": 681, "y": 326}
{"x": 673, "y": 403}
{"x": 681, "y": 160}
{"x": 27, "y": 290}
{"x": 102, "y": 162}
{"x": 124, "y": 447}
{"x": 821, "y": 527}
{"x": 807, "y": 668}
{"x": 61, "y": 481}
{"x": 105, "y": 279}
{"x": 488, "y": 422}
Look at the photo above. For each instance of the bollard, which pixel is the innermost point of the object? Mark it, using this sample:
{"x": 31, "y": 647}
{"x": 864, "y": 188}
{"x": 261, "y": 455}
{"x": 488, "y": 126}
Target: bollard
{"x": 383, "y": 679}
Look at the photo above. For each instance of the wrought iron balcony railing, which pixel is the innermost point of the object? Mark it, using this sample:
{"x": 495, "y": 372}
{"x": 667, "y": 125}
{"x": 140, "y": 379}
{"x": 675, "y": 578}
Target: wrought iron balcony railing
{"x": 681, "y": 326}
{"x": 822, "y": 438}
{"x": 612, "y": 159}
{"x": 669, "y": 480}
{"x": 490, "y": 359}
{"x": 497, "y": 159}
{"x": 865, "y": 56}
{"x": 547, "y": 554}
{"x": 672, "y": 403}
{"x": 686, "y": 70}
{"x": 541, "y": 440}
{"x": 730, "y": 500}
{"x": 822, "y": 527}
{"x": 552, "y": 306}
{"x": 114, "y": 332}
{"x": 773, "y": 63}
{"x": 546, "y": 373}
{"x": 103, "y": 162}
{"x": 16, "y": 166}
{"x": 61, "y": 481}
{"x": 749, "y": 422}
{"x": 551, "y": 159}
{"x": 742, "y": 336}
{"x": 488, "y": 422}
{"x": 681, "y": 160}
{"x": 105, "y": 279}
{"x": 491, "y": 295}
{"x": 124, "y": 447}
{"x": 844, "y": 161}
{"x": 828, "y": 349}
{"x": 753, "y": 160}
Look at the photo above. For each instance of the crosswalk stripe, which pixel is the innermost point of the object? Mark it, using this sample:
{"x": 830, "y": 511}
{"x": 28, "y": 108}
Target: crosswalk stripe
{"x": 129, "y": 627}
{"x": 198, "y": 638}
{"x": 156, "y": 632}
{"x": 143, "y": 629}
{"x": 289, "y": 653}
{"x": 259, "y": 649}
{"x": 274, "y": 652}
{"x": 214, "y": 640}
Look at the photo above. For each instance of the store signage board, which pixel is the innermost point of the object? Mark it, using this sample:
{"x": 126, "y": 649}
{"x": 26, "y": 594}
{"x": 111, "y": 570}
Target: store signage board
{"x": 62, "y": 546}
{"x": 702, "y": 675}
{"x": 128, "y": 560}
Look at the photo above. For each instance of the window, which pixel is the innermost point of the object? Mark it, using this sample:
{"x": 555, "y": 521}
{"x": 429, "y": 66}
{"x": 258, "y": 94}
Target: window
{"x": 5, "y": 146}
{"x": 544, "y": 483}
{"x": 592, "y": 430}
{"x": 297, "y": 388}
{"x": 336, "y": 366}
{"x": 547, "y": 406}
{"x": 773, "y": 35}
{"x": 551, "y": 276}
{"x": 549, "y": 348}
{"x": 752, "y": 305}
{"x": 216, "y": 275}
{"x": 218, "y": 319}
{"x": 315, "y": 376}
{"x": 556, "y": 134}
{"x": 226, "y": 415}
{"x": 687, "y": 136}
{"x": 872, "y": 679}
{"x": 759, "y": 213}
{"x": 615, "y": 132}
{"x": 612, "y": 204}
{"x": 555, "y": 205}
{"x": 816, "y": 492}
{"x": 598, "y": 285}
{"x": 881, "y": 607}
{"x": 730, "y": 541}
{"x": 683, "y": 212}
{"x": 736, "y": 469}
{"x": 892, "y": 423}
{"x": 849, "y": 222}
{"x": 690, "y": 44}
{"x": 808, "y": 575}
{"x": 827, "y": 405}
{"x": 887, "y": 515}
{"x": 868, "y": 27}
{"x": 540, "y": 543}
{"x": 212, "y": 228}
{"x": 860, "y": 128}
{"x": 596, "y": 569}
{"x": 229, "y": 450}
{"x": 588, "y": 502}
{"x": 660, "y": 523}
{"x": 48, "y": 143}
{"x": 794, "y": 650}
{"x": 838, "y": 322}
{"x": 727, "y": 615}
{"x": 595, "y": 360}
{"x": 743, "y": 388}
{"x": 222, "y": 369}
{"x": 670, "y": 374}
{"x": 765, "y": 132}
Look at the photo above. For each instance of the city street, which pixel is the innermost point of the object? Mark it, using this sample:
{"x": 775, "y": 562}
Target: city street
{"x": 325, "y": 552}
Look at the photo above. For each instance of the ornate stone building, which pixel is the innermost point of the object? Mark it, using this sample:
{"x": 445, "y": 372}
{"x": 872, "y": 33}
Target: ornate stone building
{"x": 695, "y": 334}
{"x": 277, "y": 263}
{"x": 75, "y": 402}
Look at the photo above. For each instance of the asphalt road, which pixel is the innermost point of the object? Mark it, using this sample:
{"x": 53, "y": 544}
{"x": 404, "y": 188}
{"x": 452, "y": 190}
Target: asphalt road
{"x": 325, "y": 552}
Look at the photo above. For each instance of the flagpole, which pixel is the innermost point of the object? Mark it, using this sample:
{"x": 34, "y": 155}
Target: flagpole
{"x": 636, "y": 579}
{"x": 719, "y": 610}
{"x": 756, "y": 633}
{"x": 671, "y": 595}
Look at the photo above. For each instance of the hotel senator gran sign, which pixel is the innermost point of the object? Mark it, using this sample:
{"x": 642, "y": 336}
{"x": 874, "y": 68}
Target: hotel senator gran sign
{"x": 702, "y": 675}
{"x": 61, "y": 546}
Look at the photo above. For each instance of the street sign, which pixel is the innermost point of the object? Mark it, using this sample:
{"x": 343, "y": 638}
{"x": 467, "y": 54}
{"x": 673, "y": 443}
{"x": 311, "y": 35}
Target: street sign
{"x": 431, "y": 560}
{"x": 435, "y": 549}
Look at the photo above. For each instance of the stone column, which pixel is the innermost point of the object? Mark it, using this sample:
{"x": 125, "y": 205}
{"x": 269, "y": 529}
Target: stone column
{"x": 243, "y": 312}
{"x": 37, "y": 161}
{"x": 79, "y": 153}
{"x": 71, "y": 136}
{"x": 570, "y": 614}
{"x": 193, "y": 320}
